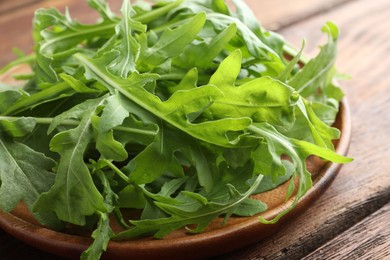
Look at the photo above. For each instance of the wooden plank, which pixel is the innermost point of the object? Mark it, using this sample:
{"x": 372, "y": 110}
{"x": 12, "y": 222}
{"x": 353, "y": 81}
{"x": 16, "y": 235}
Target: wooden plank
{"x": 7, "y": 6}
{"x": 364, "y": 185}
{"x": 277, "y": 14}
{"x": 369, "y": 239}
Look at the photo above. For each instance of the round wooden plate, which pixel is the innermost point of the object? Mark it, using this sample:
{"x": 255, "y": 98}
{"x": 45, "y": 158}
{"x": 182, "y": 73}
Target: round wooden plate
{"x": 216, "y": 239}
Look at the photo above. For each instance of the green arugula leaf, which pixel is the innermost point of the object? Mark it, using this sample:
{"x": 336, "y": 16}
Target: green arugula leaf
{"x": 128, "y": 49}
{"x": 315, "y": 74}
{"x": 262, "y": 99}
{"x": 201, "y": 217}
{"x": 24, "y": 175}
{"x": 73, "y": 186}
{"x": 297, "y": 151}
{"x": 174, "y": 110}
{"x": 101, "y": 236}
{"x": 170, "y": 44}
{"x": 17, "y": 127}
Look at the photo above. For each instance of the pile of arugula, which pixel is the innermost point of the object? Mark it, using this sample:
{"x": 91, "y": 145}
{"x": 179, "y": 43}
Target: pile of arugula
{"x": 181, "y": 109}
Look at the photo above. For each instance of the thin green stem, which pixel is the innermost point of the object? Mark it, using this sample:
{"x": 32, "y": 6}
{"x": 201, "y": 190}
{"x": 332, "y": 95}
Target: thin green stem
{"x": 56, "y": 91}
{"x": 117, "y": 171}
{"x": 72, "y": 122}
{"x": 153, "y": 14}
{"x": 22, "y": 60}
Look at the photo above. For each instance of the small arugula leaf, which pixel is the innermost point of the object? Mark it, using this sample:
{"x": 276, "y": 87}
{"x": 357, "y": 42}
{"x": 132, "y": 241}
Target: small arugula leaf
{"x": 9, "y": 97}
{"x": 322, "y": 133}
{"x": 190, "y": 56}
{"x": 55, "y": 32}
{"x": 162, "y": 151}
{"x": 114, "y": 113}
{"x": 110, "y": 148}
{"x": 103, "y": 233}
{"x": 76, "y": 85}
{"x": 102, "y": 7}
{"x": 315, "y": 74}
{"x": 101, "y": 236}
{"x": 250, "y": 207}
{"x": 254, "y": 45}
{"x": 17, "y": 127}
{"x": 128, "y": 49}
{"x": 73, "y": 186}
{"x": 285, "y": 74}
{"x": 171, "y": 43}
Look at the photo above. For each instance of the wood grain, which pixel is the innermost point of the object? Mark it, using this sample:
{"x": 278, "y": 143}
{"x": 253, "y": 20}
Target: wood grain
{"x": 277, "y": 14}
{"x": 368, "y": 239}
{"x": 7, "y": 6}
{"x": 363, "y": 186}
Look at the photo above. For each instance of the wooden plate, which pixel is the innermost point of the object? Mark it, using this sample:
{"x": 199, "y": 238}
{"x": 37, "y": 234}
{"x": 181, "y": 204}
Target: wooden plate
{"x": 217, "y": 239}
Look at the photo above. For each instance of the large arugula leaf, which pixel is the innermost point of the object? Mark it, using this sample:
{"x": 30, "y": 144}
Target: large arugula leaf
{"x": 297, "y": 151}
{"x": 262, "y": 99}
{"x": 176, "y": 109}
{"x": 73, "y": 195}
{"x": 191, "y": 208}
{"x": 24, "y": 175}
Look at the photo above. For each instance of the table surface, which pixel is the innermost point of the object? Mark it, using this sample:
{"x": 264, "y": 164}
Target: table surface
{"x": 351, "y": 218}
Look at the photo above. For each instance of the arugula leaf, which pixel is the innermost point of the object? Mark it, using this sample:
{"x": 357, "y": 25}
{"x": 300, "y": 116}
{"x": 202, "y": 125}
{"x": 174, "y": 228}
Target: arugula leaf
{"x": 297, "y": 151}
{"x": 262, "y": 99}
{"x": 102, "y": 236}
{"x": 128, "y": 49}
{"x": 17, "y": 127}
{"x": 202, "y": 215}
{"x": 170, "y": 44}
{"x": 24, "y": 175}
{"x": 315, "y": 74}
{"x": 174, "y": 110}
{"x": 73, "y": 186}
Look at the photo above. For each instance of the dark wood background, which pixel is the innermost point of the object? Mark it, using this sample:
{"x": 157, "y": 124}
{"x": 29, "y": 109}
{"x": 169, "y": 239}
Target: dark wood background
{"x": 351, "y": 220}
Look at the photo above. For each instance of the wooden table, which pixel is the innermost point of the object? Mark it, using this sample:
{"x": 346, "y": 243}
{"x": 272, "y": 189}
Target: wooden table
{"x": 351, "y": 220}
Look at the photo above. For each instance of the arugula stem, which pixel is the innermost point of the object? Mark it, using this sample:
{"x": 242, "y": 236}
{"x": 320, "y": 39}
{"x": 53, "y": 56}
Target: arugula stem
{"x": 22, "y": 60}
{"x": 153, "y": 14}
{"x": 117, "y": 171}
{"x": 89, "y": 30}
{"x": 71, "y": 122}
{"x": 39, "y": 97}
{"x": 180, "y": 76}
